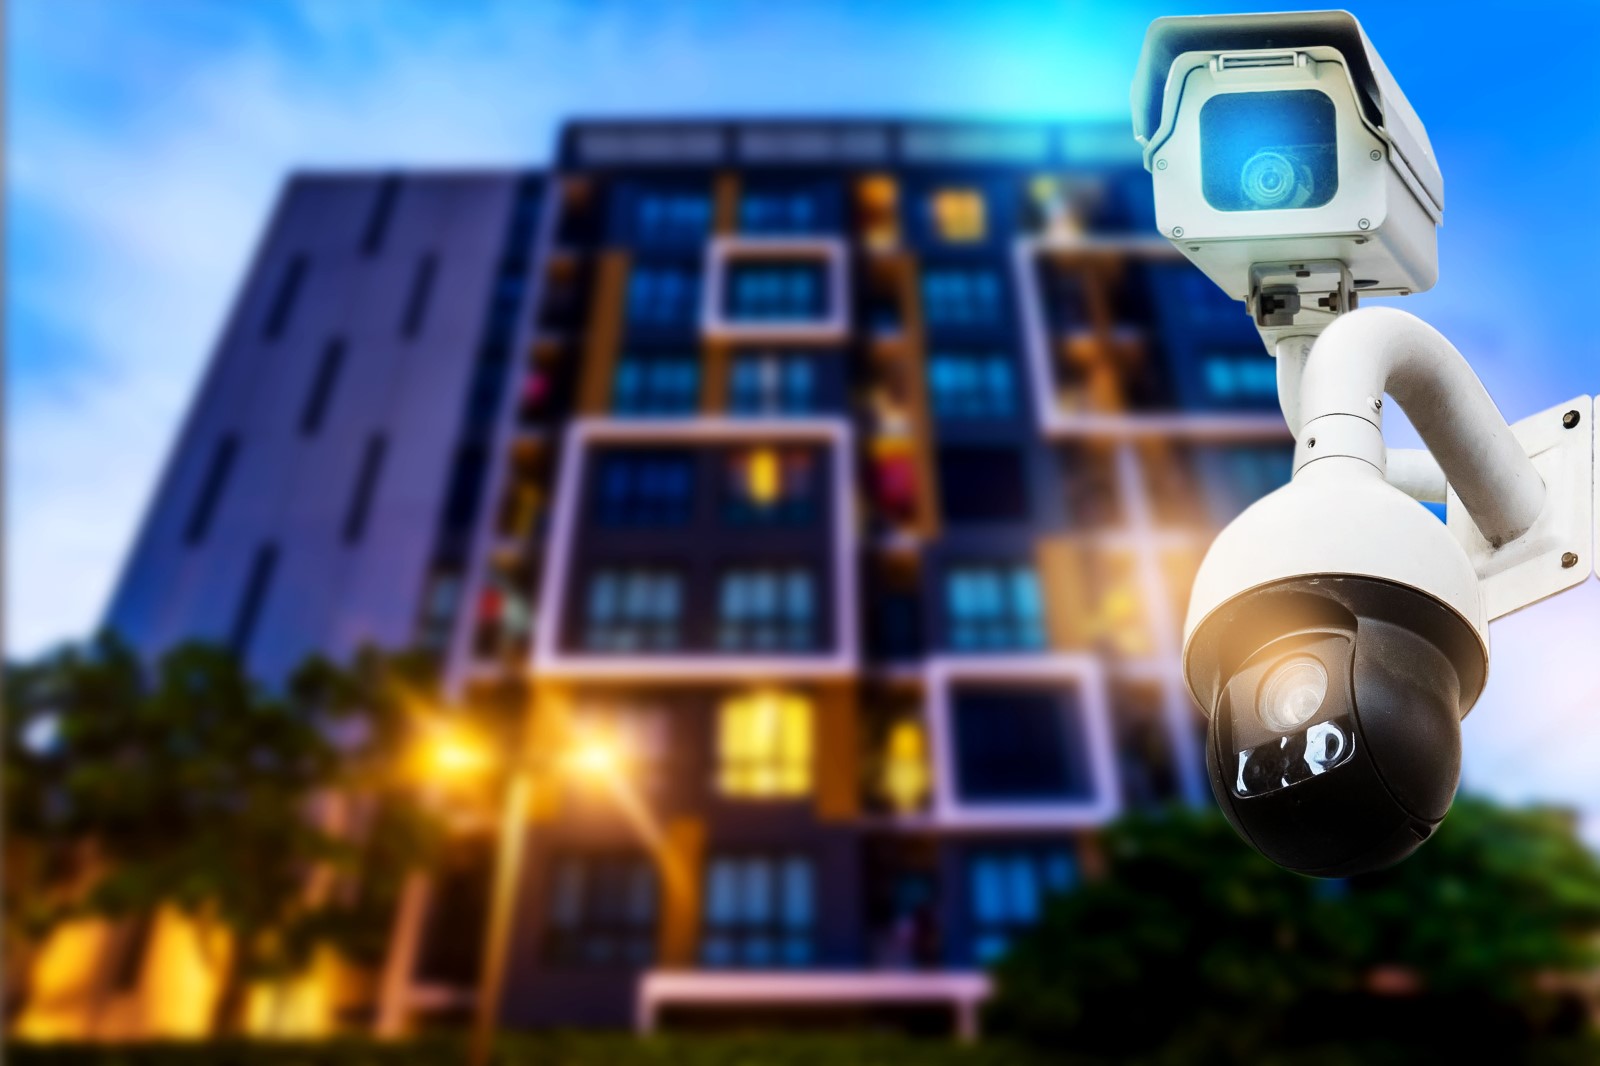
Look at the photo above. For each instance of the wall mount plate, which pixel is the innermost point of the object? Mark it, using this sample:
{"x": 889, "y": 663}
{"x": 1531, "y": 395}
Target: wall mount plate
{"x": 1558, "y": 551}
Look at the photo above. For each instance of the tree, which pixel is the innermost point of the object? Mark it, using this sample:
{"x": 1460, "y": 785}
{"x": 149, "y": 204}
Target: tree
{"x": 1192, "y": 947}
{"x": 193, "y": 786}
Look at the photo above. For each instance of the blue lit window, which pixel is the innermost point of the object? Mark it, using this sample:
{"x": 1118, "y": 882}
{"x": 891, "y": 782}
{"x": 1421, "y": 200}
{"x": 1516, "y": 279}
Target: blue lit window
{"x": 644, "y": 489}
{"x": 1008, "y": 889}
{"x": 656, "y": 385}
{"x": 663, "y": 296}
{"x": 961, "y": 296}
{"x": 667, "y": 216}
{"x": 1020, "y": 746}
{"x": 760, "y": 911}
{"x": 791, "y": 211}
{"x": 1240, "y": 379}
{"x": 767, "y": 609}
{"x": 771, "y": 383}
{"x": 994, "y": 607}
{"x": 602, "y": 911}
{"x": 972, "y": 386}
{"x": 633, "y": 609}
{"x": 776, "y": 291}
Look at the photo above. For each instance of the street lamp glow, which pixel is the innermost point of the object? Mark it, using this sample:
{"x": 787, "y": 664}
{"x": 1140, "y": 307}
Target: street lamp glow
{"x": 595, "y": 758}
{"x": 457, "y": 755}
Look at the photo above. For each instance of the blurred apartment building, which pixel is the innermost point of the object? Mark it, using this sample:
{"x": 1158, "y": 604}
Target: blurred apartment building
{"x": 851, "y": 474}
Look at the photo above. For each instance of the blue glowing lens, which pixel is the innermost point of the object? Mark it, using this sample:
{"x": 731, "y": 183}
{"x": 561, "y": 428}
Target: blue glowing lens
{"x": 1269, "y": 151}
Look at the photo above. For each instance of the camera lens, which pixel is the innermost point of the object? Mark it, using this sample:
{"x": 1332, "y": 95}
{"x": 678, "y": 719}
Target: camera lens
{"x": 1291, "y": 693}
{"x": 1269, "y": 179}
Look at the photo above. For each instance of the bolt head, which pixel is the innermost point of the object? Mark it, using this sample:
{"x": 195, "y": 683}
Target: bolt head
{"x": 1375, "y": 155}
{"x": 1177, "y": 231}
{"x": 1364, "y": 224}
{"x": 1161, "y": 164}
{"x": 1570, "y": 419}
{"x": 1569, "y": 560}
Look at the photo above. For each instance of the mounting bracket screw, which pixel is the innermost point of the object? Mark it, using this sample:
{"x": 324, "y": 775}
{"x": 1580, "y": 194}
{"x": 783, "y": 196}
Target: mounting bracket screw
{"x": 1570, "y": 419}
{"x": 1363, "y": 224}
{"x": 1177, "y": 231}
{"x": 1161, "y": 164}
{"x": 1374, "y": 155}
{"x": 1569, "y": 560}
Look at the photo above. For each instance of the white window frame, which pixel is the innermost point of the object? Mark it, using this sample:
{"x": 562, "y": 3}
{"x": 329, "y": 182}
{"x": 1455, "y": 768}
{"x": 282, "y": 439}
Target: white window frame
{"x": 944, "y": 674}
{"x": 722, "y": 252}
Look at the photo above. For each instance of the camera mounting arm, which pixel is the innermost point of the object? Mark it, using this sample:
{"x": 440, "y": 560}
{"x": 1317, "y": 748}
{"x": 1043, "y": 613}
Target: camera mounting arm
{"x": 1520, "y": 499}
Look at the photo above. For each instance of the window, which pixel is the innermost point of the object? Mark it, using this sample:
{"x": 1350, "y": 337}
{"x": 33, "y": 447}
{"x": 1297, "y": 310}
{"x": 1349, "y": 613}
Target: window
{"x": 760, "y": 911}
{"x": 355, "y": 519}
{"x": 774, "y": 211}
{"x": 644, "y": 489}
{"x": 903, "y": 775}
{"x": 602, "y": 911}
{"x": 772, "y": 291}
{"x": 1015, "y": 745}
{"x": 440, "y": 597}
{"x": 656, "y": 385}
{"x": 982, "y": 484}
{"x": 1145, "y": 764}
{"x": 972, "y": 386}
{"x": 771, "y": 486}
{"x": 466, "y": 484}
{"x": 1008, "y": 889}
{"x": 961, "y": 297}
{"x": 322, "y": 387}
{"x": 283, "y": 301}
{"x": 994, "y": 608}
{"x": 216, "y": 479}
{"x": 255, "y": 594}
{"x": 378, "y": 221}
{"x": 635, "y": 609}
{"x": 767, "y": 609}
{"x": 417, "y": 302}
{"x": 1235, "y": 477}
{"x": 764, "y": 746}
{"x": 1240, "y": 379}
{"x": 666, "y": 216}
{"x": 958, "y": 215}
{"x": 663, "y": 297}
{"x": 769, "y": 383}
{"x": 1089, "y": 485}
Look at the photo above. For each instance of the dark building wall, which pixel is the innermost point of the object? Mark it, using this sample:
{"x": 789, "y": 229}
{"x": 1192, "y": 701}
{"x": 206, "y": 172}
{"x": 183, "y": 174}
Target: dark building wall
{"x": 367, "y": 290}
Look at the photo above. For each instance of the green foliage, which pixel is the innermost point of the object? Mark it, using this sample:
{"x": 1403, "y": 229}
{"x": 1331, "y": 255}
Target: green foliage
{"x": 192, "y": 785}
{"x": 1195, "y": 948}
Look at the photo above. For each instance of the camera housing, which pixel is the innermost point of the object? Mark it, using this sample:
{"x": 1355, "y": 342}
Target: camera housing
{"x": 1336, "y": 637}
{"x": 1286, "y": 159}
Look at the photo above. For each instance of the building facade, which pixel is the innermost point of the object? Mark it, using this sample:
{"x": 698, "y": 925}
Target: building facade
{"x": 849, "y": 476}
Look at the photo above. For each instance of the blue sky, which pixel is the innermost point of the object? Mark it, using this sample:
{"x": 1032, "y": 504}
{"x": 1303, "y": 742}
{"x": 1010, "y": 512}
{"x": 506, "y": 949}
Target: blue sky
{"x": 146, "y": 141}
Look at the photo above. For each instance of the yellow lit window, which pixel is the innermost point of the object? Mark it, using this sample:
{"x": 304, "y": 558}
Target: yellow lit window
{"x": 764, "y": 746}
{"x": 905, "y": 767}
{"x": 958, "y": 214}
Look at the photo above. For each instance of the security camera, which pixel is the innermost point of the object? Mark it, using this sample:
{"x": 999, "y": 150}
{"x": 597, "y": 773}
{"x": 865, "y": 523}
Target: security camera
{"x": 1336, "y": 639}
{"x": 1287, "y": 164}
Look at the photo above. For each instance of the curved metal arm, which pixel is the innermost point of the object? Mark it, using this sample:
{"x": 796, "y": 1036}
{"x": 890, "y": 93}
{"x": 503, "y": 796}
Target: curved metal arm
{"x": 1376, "y": 350}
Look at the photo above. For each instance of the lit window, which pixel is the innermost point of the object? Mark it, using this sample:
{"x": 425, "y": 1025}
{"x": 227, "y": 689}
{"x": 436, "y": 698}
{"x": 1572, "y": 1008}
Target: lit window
{"x": 994, "y": 608}
{"x": 963, "y": 297}
{"x": 771, "y": 486}
{"x": 764, "y": 746}
{"x": 631, "y": 610}
{"x": 1008, "y": 889}
{"x": 975, "y": 386}
{"x": 878, "y": 206}
{"x": 767, "y": 609}
{"x": 784, "y": 211}
{"x": 905, "y": 780}
{"x": 1240, "y": 379}
{"x": 773, "y": 291}
{"x": 959, "y": 215}
{"x": 602, "y": 911}
{"x": 666, "y": 216}
{"x": 656, "y": 385}
{"x": 662, "y": 297}
{"x": 772, "y": 383}
{"x": 644, "y": 489}
{"x": 760, "y": 911}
